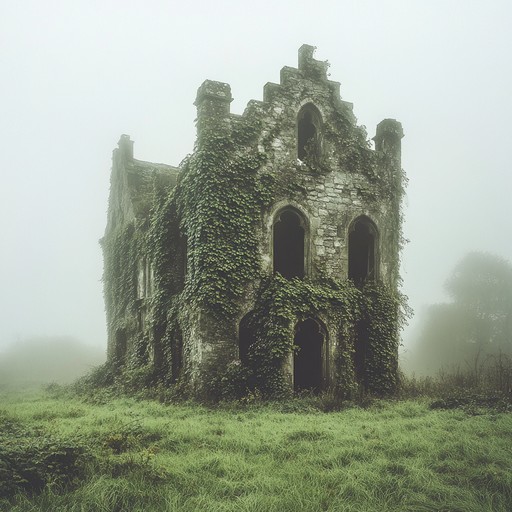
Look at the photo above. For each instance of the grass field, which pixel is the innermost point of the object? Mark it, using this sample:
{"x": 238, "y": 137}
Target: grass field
{"x": 128, "y": 455}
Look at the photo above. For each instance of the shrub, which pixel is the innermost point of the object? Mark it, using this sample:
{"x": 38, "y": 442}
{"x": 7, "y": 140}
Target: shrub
{"x": 31, "y": 460}
{"x": 100, "y": 377}
{"x": 485, "y": 383}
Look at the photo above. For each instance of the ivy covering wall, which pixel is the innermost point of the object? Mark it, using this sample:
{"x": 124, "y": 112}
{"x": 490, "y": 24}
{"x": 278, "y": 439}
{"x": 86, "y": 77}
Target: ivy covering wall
{"x": 204, "y": 241}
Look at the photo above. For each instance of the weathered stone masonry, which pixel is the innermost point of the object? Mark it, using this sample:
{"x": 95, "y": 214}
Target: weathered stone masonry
{"x": 314, "y": 204}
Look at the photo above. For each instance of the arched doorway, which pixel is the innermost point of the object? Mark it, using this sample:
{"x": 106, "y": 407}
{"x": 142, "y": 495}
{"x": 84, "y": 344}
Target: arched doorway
{"x": 309, "y": 360}
{"x": 289, "y": 244}
{"x": 362, "y": 257}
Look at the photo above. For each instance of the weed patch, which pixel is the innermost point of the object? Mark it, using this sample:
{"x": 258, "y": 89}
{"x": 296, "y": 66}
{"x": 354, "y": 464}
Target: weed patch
{"x": 474, "y": 402}
{"x": 31, "y": 459}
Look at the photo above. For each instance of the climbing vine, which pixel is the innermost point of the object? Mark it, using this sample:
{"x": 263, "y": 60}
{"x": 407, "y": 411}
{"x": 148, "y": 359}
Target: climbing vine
{"x": 203, "y": 244}
{"x": 281, "y": 303}
{"x": 218, "y": 206}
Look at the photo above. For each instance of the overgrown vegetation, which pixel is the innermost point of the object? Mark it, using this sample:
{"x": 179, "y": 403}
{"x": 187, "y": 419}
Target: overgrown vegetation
{"x": 486, "y": 383}
{"x": 30, "y": 461}
{"x": 259, "y": 457}
{"x": 214, "y": 215}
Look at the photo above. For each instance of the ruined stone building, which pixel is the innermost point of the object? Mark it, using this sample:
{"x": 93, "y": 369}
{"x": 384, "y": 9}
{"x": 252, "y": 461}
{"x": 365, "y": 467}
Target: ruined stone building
{"x": 269, "y": 259}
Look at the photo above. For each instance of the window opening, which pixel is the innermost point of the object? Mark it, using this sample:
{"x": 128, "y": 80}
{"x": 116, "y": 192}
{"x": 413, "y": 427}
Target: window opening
{"x": 141, "y": 318}
{"x": 308, "y": 129}
{"x": 159, "y": 360}
{"x": 121, "y": 346}
{"x": 289, "y": 238}
{"x": 361, "y": 252}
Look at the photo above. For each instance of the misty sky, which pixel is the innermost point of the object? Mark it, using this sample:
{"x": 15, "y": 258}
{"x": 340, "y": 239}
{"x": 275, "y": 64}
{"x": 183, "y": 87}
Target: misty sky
{"x": 76, "y": 75}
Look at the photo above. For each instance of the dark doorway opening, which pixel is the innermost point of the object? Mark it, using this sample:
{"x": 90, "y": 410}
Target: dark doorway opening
{"x": 361, "y": 252}
{"x": 246, "y": 338}
{"x": 361, "y": 352}
{"x": 308, "y": 360}
{"x": 289, "y": 245}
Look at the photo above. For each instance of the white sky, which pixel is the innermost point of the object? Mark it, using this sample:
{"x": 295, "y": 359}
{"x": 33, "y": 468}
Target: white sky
{"x": 75, "y": 75}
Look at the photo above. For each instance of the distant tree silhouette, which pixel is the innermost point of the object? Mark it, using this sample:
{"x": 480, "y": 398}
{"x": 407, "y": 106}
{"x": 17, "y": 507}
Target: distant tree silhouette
{"x": 478, "y": 321}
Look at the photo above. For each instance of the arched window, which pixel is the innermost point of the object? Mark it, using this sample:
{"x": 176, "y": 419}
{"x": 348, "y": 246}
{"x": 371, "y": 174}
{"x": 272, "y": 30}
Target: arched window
{"x": 289, "y": 244}
{"x": 362, "y": 257}
{"x": 309, "y": 361}
{"x": 309, "y": 125}
{"x": 246, "y": 337}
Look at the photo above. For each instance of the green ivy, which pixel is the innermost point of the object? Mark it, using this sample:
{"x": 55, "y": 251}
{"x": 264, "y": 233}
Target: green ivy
{"x": 215, "y": 211}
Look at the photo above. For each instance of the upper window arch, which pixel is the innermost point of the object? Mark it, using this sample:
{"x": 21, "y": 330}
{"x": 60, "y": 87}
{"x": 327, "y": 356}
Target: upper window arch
{"x": 362, "y": 250}
{"x": 309, "y": 129}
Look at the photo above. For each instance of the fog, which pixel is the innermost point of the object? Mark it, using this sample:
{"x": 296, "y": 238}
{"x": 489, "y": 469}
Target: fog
{"x": 76, "y": 75}
{"x": 45, "y": 360}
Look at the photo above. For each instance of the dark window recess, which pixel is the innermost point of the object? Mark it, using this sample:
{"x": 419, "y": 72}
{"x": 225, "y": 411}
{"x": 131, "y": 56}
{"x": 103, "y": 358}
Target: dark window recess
{"x": 176, "y": 354}
{"x": 308, "y": 357}
{"x": 121, "y": 346}
{"x": 246, "y": 338}
{"x": 361, "y": 252}
{"x": 361, "y": 350}
{"x": 289, "y": 245}
{"x": 159, "y": 360}
{"x": 308, "y": 132}
{"x": 140, "y": 319}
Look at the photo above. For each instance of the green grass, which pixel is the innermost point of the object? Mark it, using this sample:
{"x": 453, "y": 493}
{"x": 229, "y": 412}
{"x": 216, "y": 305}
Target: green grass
{"x": 145, "y": 456}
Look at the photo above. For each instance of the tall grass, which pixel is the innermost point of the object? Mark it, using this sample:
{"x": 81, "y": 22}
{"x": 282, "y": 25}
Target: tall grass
{"x": 390, "y": 456}
{"x": 484, "y": 381}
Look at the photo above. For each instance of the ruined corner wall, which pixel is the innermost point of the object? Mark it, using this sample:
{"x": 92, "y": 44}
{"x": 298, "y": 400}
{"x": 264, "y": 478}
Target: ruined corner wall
{"x": 136, "y": 188}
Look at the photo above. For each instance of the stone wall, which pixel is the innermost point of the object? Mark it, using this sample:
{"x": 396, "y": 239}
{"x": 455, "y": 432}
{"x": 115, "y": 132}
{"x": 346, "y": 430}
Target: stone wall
{"x": 337, "y": 179}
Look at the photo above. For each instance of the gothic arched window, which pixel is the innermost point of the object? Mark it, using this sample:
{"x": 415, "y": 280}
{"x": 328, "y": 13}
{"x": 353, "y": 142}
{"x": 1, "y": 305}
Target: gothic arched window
{"x": 362, "y": 250}
{"x": 309, "y": 126}
{"x": 289, "y": 244}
